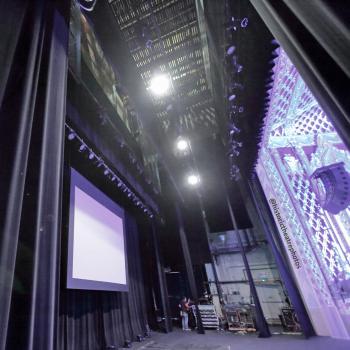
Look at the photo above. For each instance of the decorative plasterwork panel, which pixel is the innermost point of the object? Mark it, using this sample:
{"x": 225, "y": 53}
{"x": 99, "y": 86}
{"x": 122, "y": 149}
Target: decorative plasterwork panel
{"x": 299, "y": 140}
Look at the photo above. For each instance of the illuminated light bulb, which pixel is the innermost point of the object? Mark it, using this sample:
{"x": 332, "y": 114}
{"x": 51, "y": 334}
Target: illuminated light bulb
{"x": 182, "y": 145}
{"x": 160, "y": 84}
{"x": 231, "y": 97}
{"x": 231, "y": 50}
{"x": 193, "y": 179}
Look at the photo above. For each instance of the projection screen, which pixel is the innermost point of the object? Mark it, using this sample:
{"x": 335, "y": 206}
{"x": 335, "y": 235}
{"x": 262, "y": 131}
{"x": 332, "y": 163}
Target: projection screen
{"x": 96, "y": 243}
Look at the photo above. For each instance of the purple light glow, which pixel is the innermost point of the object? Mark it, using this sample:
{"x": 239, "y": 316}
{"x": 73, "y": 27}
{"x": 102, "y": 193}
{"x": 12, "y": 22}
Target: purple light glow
{"x": 98, "y": 242}
{"x": 96, "y": 247}
{"x": 299, "y": 154}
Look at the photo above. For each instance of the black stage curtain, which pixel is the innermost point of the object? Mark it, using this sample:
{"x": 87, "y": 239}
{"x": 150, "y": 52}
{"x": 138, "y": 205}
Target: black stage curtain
{"x": 316, "y": 36}
{"x": 92, "y": 320}
{"x": 33, "y": 70}
{"x": 33, "y": 75}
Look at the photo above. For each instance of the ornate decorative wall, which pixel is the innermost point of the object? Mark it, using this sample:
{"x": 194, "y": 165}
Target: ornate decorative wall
{"x": 304, "y": 169}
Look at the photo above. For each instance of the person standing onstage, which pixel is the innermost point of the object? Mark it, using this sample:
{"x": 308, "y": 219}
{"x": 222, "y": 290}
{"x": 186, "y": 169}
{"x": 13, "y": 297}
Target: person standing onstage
{"x": 191, "y": 318}
{"x": 184, "y": 313}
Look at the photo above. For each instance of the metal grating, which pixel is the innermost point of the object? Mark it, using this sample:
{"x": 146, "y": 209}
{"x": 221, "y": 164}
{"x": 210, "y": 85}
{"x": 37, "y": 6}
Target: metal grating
{"x": 165, "y": 36}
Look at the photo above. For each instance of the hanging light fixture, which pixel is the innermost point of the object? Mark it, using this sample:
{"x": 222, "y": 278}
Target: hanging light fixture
{"x": 160, "y": 84}
{"x": 193, "y": 179}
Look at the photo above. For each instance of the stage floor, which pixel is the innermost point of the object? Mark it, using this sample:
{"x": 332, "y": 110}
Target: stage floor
{"x": 213, "y": 340}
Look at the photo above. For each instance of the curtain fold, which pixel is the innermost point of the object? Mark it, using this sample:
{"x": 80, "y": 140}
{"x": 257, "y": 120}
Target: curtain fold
{"x": 326, "y": 27}
{"x": 12, "y": 16}
{"x": 33, "y": 58}
{"x": 35, "y": 312}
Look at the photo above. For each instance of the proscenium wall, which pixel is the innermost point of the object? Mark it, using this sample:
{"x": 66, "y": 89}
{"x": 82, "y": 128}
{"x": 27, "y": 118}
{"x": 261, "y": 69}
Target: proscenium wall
{"x": 300, "y": 140}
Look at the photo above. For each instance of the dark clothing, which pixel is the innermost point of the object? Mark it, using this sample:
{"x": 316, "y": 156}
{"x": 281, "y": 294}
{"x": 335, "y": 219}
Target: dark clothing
{"x": 184, "y": 306}
{"x": 191, "y": 319}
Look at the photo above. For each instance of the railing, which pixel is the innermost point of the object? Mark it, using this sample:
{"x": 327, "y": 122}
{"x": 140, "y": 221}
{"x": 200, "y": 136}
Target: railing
{"x": 86, "y": 59}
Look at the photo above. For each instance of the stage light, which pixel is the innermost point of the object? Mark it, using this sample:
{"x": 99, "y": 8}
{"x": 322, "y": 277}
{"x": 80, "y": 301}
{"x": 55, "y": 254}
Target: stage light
{"x": 244, "y": 22}
{"x": 99, "y": 162}
{"x": 87, "y": 5}
{"x": 182, "y": 144}
{"x": 234, "y": 129}
{"x": 160, "y": 84}
{"x": 231, "y": 97}
{"x": 231, "y": 50}
{"x": 193, "y": 179}
{"x": 239, "y": 68}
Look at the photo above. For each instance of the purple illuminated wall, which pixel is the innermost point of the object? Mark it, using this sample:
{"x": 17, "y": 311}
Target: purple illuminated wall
{"x": 304, "y": 169}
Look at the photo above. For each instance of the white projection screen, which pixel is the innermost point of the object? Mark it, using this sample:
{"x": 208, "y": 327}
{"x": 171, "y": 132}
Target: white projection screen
{"x": 96, "y": 243}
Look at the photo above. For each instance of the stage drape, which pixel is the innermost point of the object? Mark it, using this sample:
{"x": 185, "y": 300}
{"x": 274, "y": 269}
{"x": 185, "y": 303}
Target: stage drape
{"x": 33, "y": 67}
{"x": 92, "y": 320}
{"x": 316, "y": 36}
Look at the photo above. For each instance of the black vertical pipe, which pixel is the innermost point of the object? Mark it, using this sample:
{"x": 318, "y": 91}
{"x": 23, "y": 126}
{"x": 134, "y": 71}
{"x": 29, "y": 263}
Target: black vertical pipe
{"x": 189, "y": 268}
{"x": 162, "y": 281}
{"x": 207, "y": 234}
{"x": 264, "y": 331}
{"x": 246, "y": 236}
{"x": 255, "y": 242}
